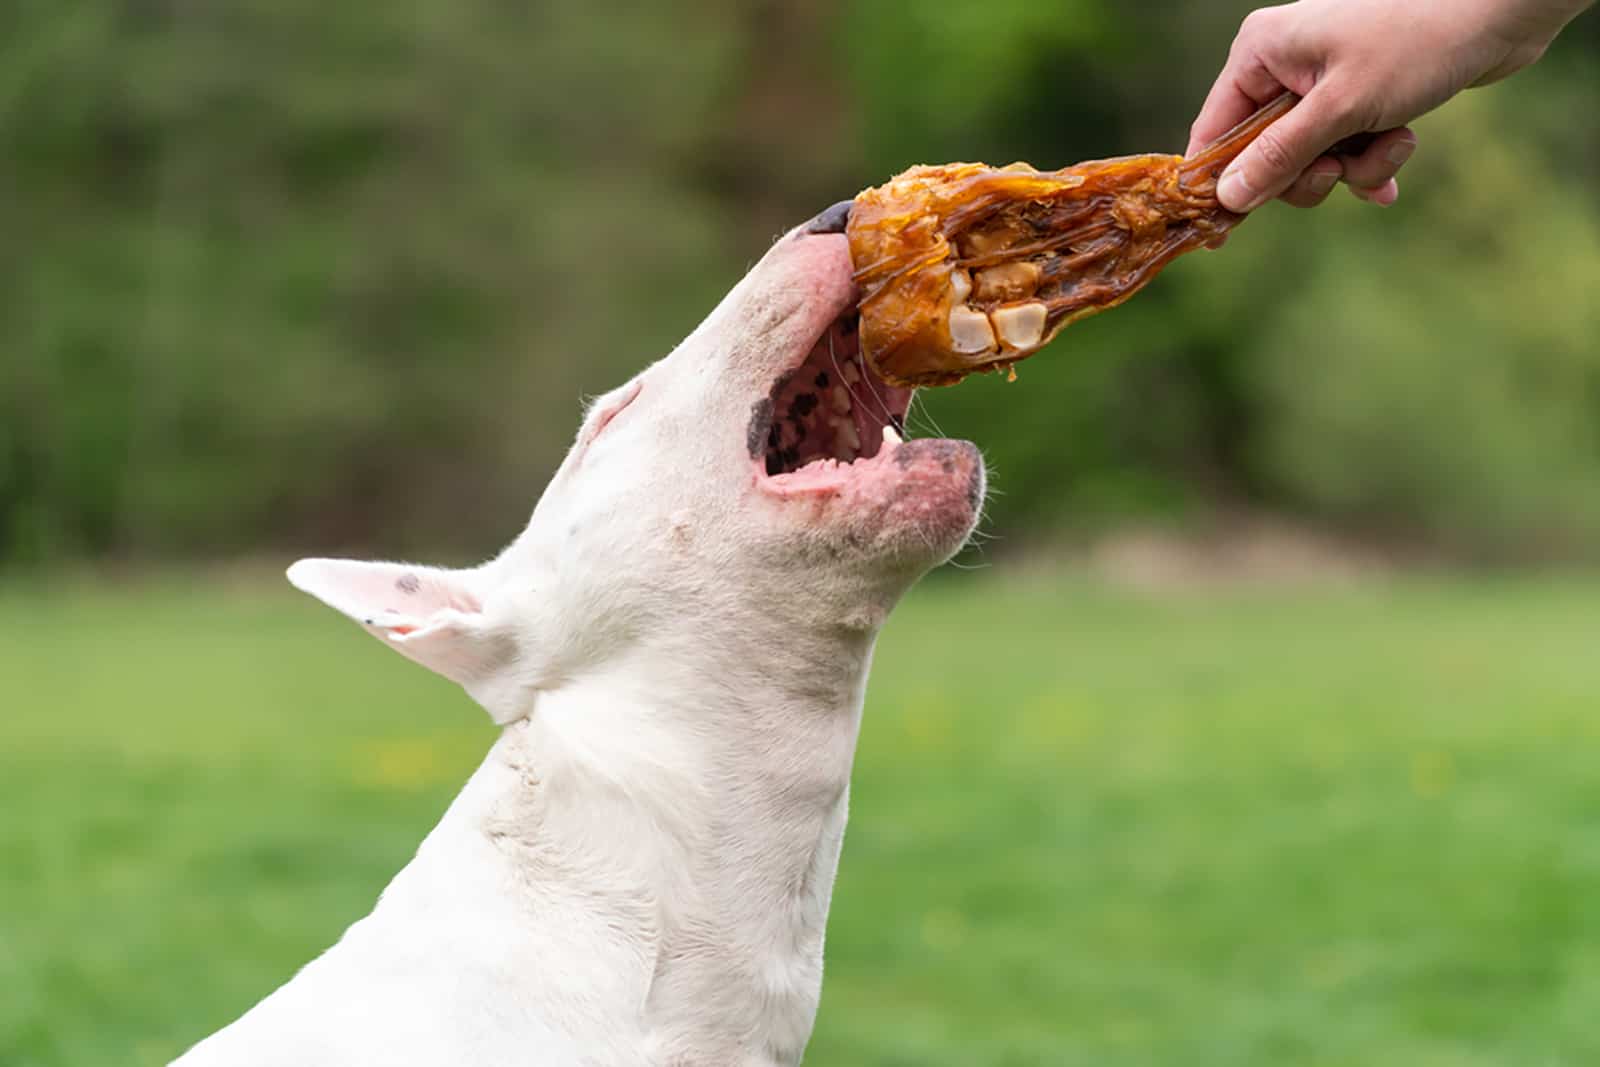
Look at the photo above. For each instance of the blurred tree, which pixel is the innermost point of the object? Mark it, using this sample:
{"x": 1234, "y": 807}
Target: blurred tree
{"x": 1466, "y": 405}
{"x": 291, "y": 267}
{"x": 302, "y": 272}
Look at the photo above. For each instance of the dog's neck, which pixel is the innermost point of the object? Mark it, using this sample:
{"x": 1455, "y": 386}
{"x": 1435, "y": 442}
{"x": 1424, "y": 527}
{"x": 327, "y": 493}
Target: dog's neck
{"x": 675, "y": 824}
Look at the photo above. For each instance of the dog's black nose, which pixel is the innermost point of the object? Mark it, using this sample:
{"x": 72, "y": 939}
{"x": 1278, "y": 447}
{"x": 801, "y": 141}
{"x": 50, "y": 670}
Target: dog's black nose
{"x": 832, "y": 220}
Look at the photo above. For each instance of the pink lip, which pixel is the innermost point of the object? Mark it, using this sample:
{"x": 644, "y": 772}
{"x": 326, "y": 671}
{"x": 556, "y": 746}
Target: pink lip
{"x": 825, "y": 477}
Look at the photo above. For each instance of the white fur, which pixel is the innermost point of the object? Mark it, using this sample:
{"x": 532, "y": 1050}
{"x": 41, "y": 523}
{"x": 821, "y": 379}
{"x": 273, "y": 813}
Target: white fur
{"x": 639, "y": 873}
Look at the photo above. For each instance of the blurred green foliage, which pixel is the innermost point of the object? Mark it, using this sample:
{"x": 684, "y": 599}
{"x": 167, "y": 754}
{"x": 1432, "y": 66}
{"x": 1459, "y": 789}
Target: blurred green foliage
{"x": 335, "y": 275}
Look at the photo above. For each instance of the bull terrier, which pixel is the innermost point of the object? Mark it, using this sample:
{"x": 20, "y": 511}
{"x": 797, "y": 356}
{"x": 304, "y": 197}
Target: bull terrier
{"x": 676, "y": 649}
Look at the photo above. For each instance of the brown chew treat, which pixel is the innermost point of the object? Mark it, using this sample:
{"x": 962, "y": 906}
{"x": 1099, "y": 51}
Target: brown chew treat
{"x": 965, "y": 267}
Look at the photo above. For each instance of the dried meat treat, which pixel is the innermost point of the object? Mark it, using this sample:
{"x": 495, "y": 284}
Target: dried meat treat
{"x": 965, "y": 267}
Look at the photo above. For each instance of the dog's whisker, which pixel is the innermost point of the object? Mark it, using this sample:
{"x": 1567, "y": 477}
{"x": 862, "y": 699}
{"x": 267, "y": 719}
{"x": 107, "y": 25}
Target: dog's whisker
{"x": 864, "y": 377}
{"x": 918, "y": 409}
{"x": 872, "y": 391}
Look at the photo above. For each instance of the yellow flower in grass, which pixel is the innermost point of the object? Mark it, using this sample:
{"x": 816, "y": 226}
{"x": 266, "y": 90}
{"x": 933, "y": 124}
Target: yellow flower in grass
{"x": 401, "y": 763}
{"x": 1432, "y": 773}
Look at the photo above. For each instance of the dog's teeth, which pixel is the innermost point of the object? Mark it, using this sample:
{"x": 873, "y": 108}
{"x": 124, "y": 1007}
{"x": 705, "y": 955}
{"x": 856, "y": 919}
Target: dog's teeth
{"x": 1022, "y": 325}
{"x": 852, "y": 373}
{"x": 848, "y": 435}
{"x": 970, "y": 331}
{"x": 841, "y": 400}
{"x": 891, "y": 438}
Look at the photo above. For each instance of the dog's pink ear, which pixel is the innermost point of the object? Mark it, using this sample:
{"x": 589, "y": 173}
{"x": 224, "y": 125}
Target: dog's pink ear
{"x": 429, "y": 615}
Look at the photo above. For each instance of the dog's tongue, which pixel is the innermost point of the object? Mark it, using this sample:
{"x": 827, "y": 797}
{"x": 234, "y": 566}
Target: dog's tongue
{"x": 965, "y": 267}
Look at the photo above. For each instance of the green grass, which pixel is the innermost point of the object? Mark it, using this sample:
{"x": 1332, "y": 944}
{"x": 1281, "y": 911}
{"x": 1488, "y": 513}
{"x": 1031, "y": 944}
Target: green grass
{"x": 1355, "y": 826}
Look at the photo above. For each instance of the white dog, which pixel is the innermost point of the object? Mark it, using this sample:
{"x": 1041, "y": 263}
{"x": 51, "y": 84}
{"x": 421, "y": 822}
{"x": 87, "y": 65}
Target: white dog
{"x": 677, "y": 648}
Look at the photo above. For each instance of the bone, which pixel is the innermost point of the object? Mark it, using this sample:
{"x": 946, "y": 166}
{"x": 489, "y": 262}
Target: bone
{"x": 1100, "y": 231}
{"x": 852, "y": 372}
{"x": 1008, "y": 281}
{"x": 970, "y": 331}
{"x": 891, "y": 438}
{"x": 1020, "y": 326}
{"x": 841, "y": 399}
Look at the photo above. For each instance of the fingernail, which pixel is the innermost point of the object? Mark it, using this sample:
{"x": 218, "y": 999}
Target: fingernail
{"x": 1375, "y": 194}
{"x": 1235, "y": 193}
{"x": 1401, "y": 151}
{"x": 1322, "y": 182}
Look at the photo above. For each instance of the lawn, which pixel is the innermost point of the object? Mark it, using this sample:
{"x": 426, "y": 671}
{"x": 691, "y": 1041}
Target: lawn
{"x": 1355, "y": 825}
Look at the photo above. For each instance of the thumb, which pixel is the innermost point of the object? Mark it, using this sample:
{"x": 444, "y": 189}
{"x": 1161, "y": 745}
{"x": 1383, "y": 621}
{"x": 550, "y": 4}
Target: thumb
{"x": 1283, "y": 151}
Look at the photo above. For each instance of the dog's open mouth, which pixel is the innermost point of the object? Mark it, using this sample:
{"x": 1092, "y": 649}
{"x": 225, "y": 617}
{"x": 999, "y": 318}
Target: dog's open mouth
{"x": 831, "y": 411}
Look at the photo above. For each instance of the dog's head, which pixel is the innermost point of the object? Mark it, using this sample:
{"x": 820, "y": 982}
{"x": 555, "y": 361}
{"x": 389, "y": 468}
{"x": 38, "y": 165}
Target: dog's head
{"x": 751, "y": 488}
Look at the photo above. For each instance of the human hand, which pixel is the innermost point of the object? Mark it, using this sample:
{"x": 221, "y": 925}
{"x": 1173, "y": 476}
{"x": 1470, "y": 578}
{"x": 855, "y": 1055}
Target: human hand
{"x": 1362, "y": 66}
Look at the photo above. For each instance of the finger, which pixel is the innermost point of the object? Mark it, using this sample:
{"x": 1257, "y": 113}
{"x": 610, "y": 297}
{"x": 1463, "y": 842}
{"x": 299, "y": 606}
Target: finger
{"x": 1225, "y": 107}
{"x": 1285, "y": 149}
{"x": 1381, "y": 160}
{"x": 1240, "y": 90}
{"x": 1383, "y": 195}
{"x": 1313, "y": 187}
